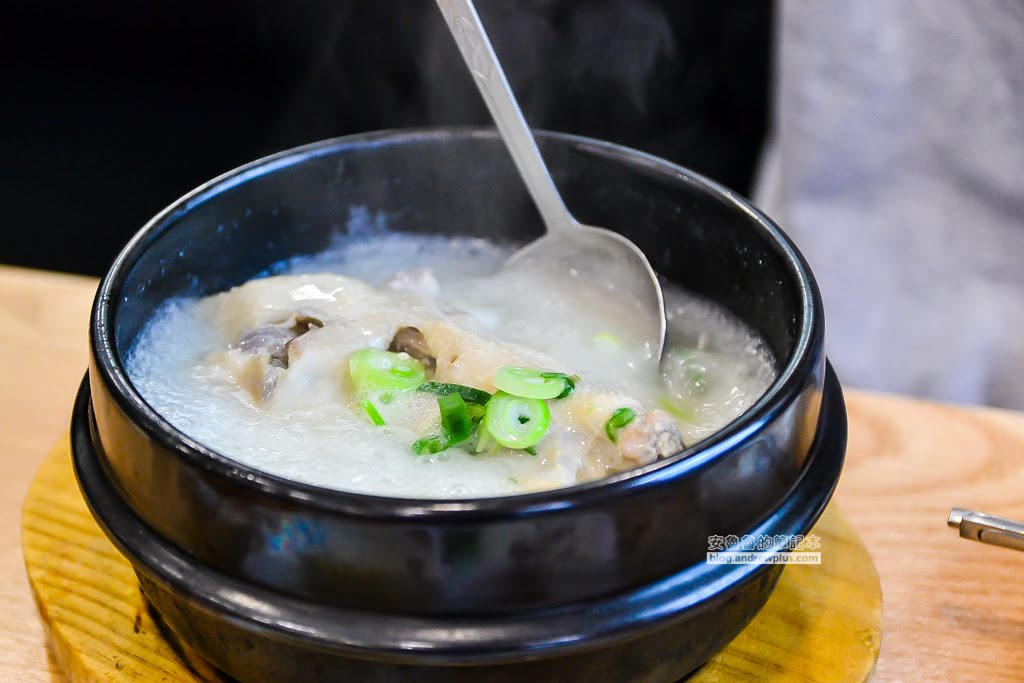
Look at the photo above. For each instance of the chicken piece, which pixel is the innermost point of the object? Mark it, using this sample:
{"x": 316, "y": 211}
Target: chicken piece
{"x": 329, "y": 298}
{"x": 271, "y": 323}
{"x": 650, "y": 437}
{"x": 464, "y": 357}
{"x": 256, "y": 362}
{"x": 275, "y": 340}
{"x": 270, "y": 340}
{"x": 271, "y": 301}
{"x": 252, "y": 373}
{"x": 579, "y": 421}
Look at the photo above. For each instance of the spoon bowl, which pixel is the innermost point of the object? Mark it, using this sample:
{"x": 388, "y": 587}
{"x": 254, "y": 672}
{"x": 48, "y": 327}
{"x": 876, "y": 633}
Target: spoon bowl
{"x": 604, "y": 264}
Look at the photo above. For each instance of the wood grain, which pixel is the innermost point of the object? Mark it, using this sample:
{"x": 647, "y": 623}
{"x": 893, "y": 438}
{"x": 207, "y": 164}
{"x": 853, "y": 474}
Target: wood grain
{"x": 44, "y": 320}
{"x": 953, "y": 610}
{"x": 87, "y": 593}
{"x": 823, "y": 622}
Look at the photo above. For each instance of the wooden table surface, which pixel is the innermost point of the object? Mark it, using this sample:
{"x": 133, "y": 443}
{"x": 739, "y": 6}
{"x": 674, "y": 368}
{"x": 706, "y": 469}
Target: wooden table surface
{"x": 954, "y": 610}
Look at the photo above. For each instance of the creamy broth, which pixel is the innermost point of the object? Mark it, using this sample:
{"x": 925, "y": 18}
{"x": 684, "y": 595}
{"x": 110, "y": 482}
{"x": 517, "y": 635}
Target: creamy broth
{"x": 194, "y": 364}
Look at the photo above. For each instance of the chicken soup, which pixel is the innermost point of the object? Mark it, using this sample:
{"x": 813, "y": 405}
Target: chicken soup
{"x": 418, "y": 367}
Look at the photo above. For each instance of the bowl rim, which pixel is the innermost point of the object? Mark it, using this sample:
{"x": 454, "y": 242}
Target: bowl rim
{"x": 780, "y": 394}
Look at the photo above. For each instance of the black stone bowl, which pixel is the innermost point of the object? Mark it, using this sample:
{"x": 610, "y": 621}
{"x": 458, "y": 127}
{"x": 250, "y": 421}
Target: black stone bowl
{"x": 276, "y": 580}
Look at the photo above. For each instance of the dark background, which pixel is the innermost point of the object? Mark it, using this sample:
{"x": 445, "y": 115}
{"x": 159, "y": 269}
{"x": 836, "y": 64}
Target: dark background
{"x": 111, "y": 111}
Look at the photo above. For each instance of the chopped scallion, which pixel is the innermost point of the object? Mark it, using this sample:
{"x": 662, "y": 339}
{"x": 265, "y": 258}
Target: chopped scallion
{"x": 455, "y": 421}
{"x": 476, "y": 412}
{"x": 468, "y": 394}
{"x": 373, "y": 370}
{"x": 531, "y": 383}
{"x": 607, "y": 340}
{"x": 673, "y": 408}
{"x": 619, "y": 419}
{"x": 570, "y": 383}
{"x": 430, "y": 444}
{"x": 515, "y": 421}
{"x": 458, "y": 422}
{"x": 484, "y": 441}
{"x": 372, "y": 411}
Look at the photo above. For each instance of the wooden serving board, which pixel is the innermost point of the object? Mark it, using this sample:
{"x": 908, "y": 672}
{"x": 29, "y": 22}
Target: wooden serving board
{"x": 822, "y": 623}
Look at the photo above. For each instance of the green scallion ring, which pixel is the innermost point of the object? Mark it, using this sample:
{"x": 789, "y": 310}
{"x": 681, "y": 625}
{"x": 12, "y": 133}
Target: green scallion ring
{"x": 515, "y": 421}
{"x": 373, "y": 370}
{"x": 468, "y": 394}
{"x": 619, "y": 419}
{"x": 530, "y": 383}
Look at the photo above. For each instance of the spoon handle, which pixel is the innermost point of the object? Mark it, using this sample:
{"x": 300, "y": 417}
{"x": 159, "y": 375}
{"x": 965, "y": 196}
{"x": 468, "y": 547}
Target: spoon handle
{"x": 464, "y": 24}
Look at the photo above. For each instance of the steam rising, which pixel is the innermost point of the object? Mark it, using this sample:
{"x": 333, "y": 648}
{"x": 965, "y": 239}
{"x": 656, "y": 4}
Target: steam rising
{"x": 681, "y": 79}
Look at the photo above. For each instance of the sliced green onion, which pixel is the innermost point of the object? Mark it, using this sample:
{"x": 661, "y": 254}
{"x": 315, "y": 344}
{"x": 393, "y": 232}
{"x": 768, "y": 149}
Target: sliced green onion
{"x": 607, "y": 340}
{"x": 458, "y": 422}
{"x": 376, "y": 370}
{"x": 468, "y": 394}
{"x": 570, "y": 383}
{"x": 517, "y": 422}
{"x": 484, "y": 441}
{"x": 669, "y": 406}
{"x": 532, "y": 450}
{"x": 476, "y": 412}
{"x": 371, "y": 410}
{"x": 530, "y": 383}
{"x": 619, "y": 419}
{"x": 430, "y": 444}
{"x": 455, "y": 421}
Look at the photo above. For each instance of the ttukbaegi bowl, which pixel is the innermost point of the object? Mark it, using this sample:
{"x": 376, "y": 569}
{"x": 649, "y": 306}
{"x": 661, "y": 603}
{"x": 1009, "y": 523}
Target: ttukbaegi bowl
{"x": 270, "y": 579}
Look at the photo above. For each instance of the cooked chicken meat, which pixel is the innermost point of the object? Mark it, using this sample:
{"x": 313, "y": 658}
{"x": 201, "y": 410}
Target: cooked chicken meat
{"x": 274, "y": 340}
{"x": 576, "y": 442}
{"x": 650, "y": 437}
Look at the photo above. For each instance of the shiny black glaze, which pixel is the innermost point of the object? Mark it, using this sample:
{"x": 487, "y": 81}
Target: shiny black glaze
{"x": 655, "y": 633}
{"x": 473, "y": 556}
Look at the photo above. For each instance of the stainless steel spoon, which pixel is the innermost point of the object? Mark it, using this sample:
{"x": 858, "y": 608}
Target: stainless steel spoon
{"x": 600, "y": 256}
